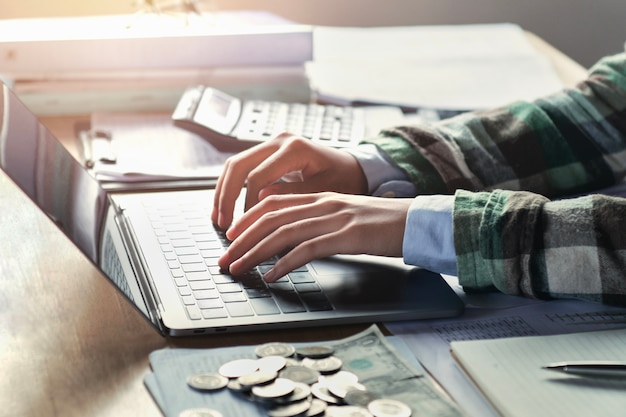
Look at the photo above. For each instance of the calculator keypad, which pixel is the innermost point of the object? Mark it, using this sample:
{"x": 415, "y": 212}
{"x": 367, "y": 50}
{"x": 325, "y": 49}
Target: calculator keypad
{"x": 332, "y": 125}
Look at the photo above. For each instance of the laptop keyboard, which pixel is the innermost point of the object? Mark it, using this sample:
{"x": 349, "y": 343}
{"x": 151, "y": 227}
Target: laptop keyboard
{"x": 192, "y": 246}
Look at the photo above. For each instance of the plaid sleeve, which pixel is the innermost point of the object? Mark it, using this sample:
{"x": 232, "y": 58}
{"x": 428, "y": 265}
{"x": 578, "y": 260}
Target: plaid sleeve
{"x": 506, "y": 165}
{"x": 524, "y": 244}
{"x": 568, "y": 143}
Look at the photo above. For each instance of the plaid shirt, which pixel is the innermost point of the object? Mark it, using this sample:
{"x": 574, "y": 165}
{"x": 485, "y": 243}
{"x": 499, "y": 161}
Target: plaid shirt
{"x": 510, "y": 169}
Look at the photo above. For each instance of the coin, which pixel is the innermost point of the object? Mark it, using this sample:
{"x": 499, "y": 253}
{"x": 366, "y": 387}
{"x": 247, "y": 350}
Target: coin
{"x": 315, "y": 352}
{"x": 238, "y": 367}
{"x": 327, "y": 365}
{"x": 272, "y": 363}
{"x": 257, "y": 378}
{"x": 317, "y": 408}
{"x": 301, "y": 392}
{"x": 321, "y": 392}
{"x": 300, "y": 374}
{"x": 289, "y": 410}
{"x": 385, "y": 407}
{"x": 200, "y": 412}
{"x": 341, "y": 377}
{"x": 275, "y": 349}
{"x": 341, "y": 390}
{"x": 281, "y": 387}
{"x": 360, "y": 398}
{"x": 347, "y": 411}
{"x": 207, "y": 381}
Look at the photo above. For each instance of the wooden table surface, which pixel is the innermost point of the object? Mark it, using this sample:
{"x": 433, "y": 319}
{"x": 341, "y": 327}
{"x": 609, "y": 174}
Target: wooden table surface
{"x": 70, "y": 345}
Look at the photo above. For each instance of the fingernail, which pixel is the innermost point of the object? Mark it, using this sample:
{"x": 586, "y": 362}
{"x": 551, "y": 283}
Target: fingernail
{"x": 270, "y": 275}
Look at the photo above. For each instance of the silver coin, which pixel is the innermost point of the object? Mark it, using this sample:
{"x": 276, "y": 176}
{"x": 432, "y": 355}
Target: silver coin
{"x": 341, "y": 390}
{"x": 347, "y": 411}
{"x": 272, "y": 363}
{"x": 317, "y": 408}
{"x": 315, "y": 351}
{"x": 341, "y": 377}
{"x": 207, "y": 381}
{"x": 360, "y": 398}
{"x": 257, "y": 378}
{"x": 385, "y": 407}
{"x": 328, "y": 365}
{"x": 301, "y": 392}
{"x": 200, "y": 412}
{"x": 289, "y": 410}
{"x": 281, "y": 387}
{"x": 320, "y": 391}
{"x": 300, "y": 374}
{"x": 275, "y": 349}
{"x": 238, "y": 367}
{"x": 234, "y": 385}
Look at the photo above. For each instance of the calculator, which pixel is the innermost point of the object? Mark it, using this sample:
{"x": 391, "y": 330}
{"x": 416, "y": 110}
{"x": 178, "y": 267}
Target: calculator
{"x": 232, "y": 124}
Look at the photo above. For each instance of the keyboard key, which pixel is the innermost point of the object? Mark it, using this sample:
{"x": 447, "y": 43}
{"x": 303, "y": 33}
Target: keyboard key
{"x": 228, "y": 288}
{"x": 307, "y": 287}
{"x": 190, "y": 259}
{"x": 289, "y": 302}
{"x": 233, "y": 297}
{"x": 198, "y": 276}
{"x": 194, "y": 313}
{"x": 301, "y": 277}
{"x": 202, "y": 285}
{"x": 264, "y": 306}
{"x": 204, "y": 294}
{"x": 197, "y": 267}
{"x": 215, "y": 313}
{"x": 239, "y": 309}
{"x": 211, "y": 303}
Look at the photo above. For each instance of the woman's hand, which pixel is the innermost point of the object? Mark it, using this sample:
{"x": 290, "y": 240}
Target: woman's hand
{"x": 304, "y": 227}
{"x": 316, "y": 168}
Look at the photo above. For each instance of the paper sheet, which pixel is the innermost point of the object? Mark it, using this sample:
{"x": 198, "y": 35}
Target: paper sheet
{"x": 148, "y": 147}
{"x": 449, "y": 67}
{"x": 509, "y": 371}
{"x": 430, "y": 340}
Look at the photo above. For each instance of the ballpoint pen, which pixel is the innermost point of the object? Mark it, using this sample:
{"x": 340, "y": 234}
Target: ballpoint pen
{"x": 613, "y": 369}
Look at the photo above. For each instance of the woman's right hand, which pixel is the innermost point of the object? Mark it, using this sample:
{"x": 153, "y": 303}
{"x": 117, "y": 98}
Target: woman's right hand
{"x": 287, "y": 164}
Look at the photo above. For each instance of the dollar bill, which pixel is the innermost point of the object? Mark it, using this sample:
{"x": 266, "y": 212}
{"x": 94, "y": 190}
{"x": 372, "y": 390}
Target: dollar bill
{"x": 383, "y": 371}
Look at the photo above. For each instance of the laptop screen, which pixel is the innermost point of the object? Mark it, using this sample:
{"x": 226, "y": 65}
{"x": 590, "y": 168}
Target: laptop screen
{"x": 43, "y": 168}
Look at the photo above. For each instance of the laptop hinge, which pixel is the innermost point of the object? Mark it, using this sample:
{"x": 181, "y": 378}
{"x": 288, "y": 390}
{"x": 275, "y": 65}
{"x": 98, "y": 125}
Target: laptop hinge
{"x": 144, "y": 279}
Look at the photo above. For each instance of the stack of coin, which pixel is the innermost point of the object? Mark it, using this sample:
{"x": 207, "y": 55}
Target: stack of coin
{"x": 296, "y": 382}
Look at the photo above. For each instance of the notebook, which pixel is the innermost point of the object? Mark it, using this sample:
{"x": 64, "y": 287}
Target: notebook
{"x": 159, "y": 249}
{"x": 510, "y": 373}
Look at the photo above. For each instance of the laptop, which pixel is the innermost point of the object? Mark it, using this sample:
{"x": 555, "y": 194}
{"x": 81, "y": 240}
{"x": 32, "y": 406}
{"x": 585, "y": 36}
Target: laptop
{"x": 160, "y": 250}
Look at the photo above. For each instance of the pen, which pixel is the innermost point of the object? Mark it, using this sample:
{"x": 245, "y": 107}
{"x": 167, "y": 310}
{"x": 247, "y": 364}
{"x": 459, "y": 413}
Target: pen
{"x": 612, "y": 369}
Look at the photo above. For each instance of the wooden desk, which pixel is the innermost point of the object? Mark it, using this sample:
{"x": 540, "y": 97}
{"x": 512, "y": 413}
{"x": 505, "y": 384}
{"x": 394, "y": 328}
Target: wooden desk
{"x": 69, "y": 343}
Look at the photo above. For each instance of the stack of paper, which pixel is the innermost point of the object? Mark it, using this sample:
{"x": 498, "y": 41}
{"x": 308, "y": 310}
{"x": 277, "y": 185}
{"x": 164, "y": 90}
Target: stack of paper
{"x": 146, "y": 60}
{"x": 445, "y": 67}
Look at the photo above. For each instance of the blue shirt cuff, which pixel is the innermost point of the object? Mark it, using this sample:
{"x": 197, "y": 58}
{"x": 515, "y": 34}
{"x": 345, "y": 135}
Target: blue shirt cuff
{"x": 377, "y": 168}
{"x": 428, "y": 237}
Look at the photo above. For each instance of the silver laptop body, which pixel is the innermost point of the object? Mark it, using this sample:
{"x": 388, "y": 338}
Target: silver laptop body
{"x": 160, "y": 250}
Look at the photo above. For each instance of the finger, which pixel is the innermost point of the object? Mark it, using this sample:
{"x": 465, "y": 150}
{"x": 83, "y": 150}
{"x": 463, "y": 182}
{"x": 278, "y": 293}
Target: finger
{"x": 319, "y": 247}
{"x": 281, "y": 240}
{"x": 296, "y": 155}
{"x": 276, "y": 211}
{"x": 232, "y": 180}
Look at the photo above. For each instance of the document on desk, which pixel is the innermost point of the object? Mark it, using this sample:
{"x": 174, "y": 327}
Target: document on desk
{"x": 510, "y": 374}
{"x": 493, "y": 316}
{"x": 460, "y": 67}
{"x": 148, "y": 147}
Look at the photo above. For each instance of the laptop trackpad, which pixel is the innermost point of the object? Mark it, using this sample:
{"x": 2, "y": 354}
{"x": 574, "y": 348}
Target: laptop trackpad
{"x": 372, "y": 282}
